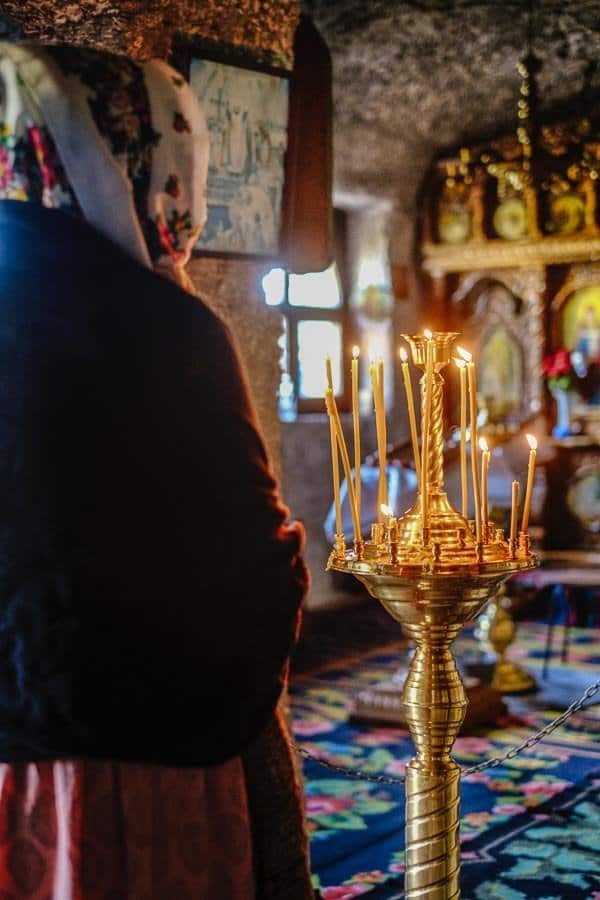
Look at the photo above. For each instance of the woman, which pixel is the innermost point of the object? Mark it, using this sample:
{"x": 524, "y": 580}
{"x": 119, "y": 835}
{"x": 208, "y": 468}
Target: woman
{"x": 142, "y": 751}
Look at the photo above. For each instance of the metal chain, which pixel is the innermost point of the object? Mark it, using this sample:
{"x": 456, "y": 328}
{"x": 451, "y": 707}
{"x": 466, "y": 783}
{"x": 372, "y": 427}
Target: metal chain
{"x": 486, "y": 764}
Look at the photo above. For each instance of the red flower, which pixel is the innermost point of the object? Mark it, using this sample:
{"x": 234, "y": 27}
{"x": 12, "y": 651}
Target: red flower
{"x": 557, "y": 364}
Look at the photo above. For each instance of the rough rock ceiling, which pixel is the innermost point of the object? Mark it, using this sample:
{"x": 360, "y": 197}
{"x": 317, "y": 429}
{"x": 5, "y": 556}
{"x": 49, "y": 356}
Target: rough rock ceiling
{"x": 411, "y": 78}
{"x": 144, "y": 28}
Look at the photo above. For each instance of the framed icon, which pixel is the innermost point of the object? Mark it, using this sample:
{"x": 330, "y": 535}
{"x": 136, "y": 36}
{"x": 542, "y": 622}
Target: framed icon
{"x": 245, "y": 101}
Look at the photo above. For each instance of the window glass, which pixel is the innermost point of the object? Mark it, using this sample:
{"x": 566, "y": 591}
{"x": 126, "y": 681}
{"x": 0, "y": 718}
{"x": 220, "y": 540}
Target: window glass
{"x": 273, "y": 285}
{"x": 316, "y": 340}
{"x": 316, "y": 289}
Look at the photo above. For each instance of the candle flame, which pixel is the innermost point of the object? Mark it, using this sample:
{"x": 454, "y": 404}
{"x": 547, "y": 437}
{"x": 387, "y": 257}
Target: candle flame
{"x": 465, "y": 354}
{"x": 386, "y": 510}
{"x": 483, "y": 445}
{"x": 428, "y": 334}
{"x": 403, "y": 355}
{"x": 355, "y": 352}
{"x": 532, "y": 441}
{"x": 460, "y": 363}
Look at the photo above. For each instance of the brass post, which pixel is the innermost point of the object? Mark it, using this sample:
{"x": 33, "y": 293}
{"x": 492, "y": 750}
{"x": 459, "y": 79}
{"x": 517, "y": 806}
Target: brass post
{"x": 435, "y": 704}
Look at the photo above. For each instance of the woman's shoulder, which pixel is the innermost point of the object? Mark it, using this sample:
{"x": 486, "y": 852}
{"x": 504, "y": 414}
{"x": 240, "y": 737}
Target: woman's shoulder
{"x": 66, "y": 253}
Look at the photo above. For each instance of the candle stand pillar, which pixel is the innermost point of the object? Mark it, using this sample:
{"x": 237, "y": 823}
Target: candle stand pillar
{"x": 432, "y": 580}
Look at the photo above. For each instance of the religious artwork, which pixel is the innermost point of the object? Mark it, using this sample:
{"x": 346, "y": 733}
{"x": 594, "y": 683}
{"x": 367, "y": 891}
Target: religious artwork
{"x": 581, "y": 323}
{"x": 246, "y": 108}
{"x": 501, "y": 379}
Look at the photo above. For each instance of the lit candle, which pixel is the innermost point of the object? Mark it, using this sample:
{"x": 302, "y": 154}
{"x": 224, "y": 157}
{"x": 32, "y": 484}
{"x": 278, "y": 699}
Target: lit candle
{"x": 410, "y": 402}
{"x": 464, "y": 486}
{"x": 335, "y": 467}
{"x": 381, "y": 451}
{"x": 514, "y": 506}
{"x": 474, "y": 465}
{"x": 485, "y": 468}
{"x": 529, "y": 489}
{"x": 334, "y": 417}
{"x": 356, "y": 425}
{"x": 426, "y": 426}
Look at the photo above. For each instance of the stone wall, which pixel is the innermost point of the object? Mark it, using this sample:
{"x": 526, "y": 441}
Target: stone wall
{"x": 144, "y": 28}
{"x": 232, "y": 289}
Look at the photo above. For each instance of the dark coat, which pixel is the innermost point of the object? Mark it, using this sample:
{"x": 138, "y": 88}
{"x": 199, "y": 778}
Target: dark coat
{"x": 149, "y": 588}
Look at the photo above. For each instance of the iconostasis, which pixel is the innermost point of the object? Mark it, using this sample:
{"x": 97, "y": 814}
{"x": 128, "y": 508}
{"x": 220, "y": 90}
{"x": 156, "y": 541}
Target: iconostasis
{"x": 509, "y": 255}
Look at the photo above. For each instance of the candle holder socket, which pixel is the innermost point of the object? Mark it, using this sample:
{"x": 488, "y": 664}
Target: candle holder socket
{"x": 339, "y": 546}
{"x": 523, "y": 549}
{"x": 377, "y": 533}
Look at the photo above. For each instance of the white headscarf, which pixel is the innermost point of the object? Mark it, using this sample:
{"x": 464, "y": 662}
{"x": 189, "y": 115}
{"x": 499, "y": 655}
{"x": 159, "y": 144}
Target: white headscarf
{"x": 123, "y": 144}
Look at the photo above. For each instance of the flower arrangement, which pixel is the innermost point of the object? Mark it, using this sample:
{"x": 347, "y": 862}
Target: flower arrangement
{"x": 558, "y": 369}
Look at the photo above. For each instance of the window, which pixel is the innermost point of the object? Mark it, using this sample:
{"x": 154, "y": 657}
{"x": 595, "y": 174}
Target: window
{"x": 314, "y": 309}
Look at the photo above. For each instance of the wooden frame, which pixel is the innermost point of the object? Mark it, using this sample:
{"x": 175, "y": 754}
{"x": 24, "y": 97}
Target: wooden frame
{"x": 245, "y": 98}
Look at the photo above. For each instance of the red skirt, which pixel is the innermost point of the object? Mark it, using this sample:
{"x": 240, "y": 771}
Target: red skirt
{"x": 109, "y": 831}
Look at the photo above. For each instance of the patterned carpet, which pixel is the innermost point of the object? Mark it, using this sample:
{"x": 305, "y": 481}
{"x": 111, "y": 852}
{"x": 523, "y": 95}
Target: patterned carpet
{"x": 530, "y": 828}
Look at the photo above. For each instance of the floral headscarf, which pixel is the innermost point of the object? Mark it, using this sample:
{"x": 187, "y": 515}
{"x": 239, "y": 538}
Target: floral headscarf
{"x": 122, "y": 144}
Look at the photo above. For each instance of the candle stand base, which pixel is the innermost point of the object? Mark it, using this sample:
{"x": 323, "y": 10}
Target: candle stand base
{"x": 496, "y": 631}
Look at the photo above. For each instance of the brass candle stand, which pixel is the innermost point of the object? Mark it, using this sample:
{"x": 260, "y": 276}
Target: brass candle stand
{"x": 433, "y": 576}
{"x": 496, "y": 630}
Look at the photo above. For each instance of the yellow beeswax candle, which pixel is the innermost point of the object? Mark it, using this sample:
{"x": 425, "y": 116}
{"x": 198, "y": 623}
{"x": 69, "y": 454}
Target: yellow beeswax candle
{"x": 474, "y": 462}
{"x": 485, "y": 469}
{"x": 335, "y": 463}
{"x": 426, "y": 426}
{"x": 383, "y": 423}
{"x": 464, "y": 483}
{"x": 356, "y": 429}
{"x": 335, "y": 417}
{"x": 531, "y": 440}
{"x": 410, "y": 403}
{"x": 381, "y": 449}
{"x": 514, "y": 506}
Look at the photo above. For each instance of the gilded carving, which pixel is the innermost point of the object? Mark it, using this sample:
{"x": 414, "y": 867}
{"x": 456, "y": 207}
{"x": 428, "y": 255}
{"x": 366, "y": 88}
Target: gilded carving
{"x": 496, "y": 306}
{"x": 438, "y": 259}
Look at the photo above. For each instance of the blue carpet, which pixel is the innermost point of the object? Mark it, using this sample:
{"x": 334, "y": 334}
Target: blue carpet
{"x": 529, "y": 828}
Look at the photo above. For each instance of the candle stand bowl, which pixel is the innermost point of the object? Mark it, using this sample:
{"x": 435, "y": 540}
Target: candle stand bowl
{"x": 432, "y": 604}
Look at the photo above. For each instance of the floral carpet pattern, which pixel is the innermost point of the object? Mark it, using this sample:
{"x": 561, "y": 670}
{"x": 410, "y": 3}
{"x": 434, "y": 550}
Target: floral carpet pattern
{"x": 529, "y": 828}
